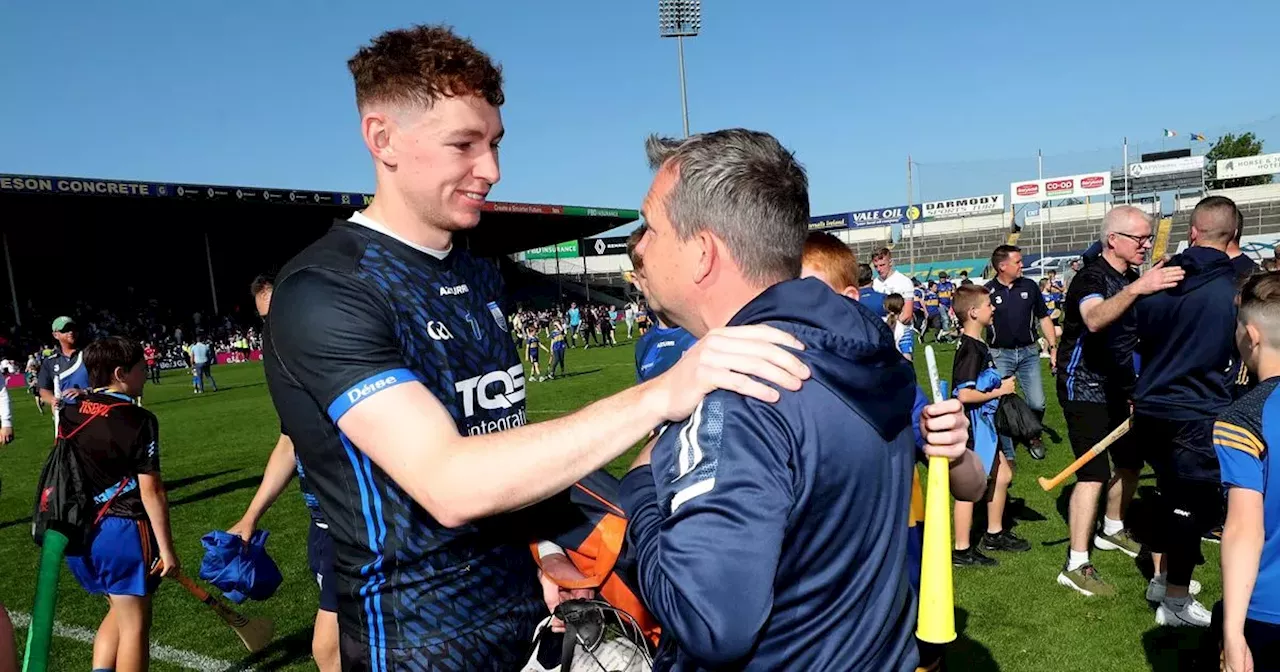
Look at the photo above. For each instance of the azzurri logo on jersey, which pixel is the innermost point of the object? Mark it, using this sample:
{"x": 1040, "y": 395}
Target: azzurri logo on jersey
{"x": 498, "y": 317}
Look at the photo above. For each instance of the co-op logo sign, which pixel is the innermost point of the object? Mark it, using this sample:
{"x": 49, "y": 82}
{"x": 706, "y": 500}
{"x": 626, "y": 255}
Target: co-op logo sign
{"x": 1089, "y": 184}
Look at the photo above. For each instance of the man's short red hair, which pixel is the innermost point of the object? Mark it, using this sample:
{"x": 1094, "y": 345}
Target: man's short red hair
{"x": 420, "y": 65}
{"x": 829, "y": 256}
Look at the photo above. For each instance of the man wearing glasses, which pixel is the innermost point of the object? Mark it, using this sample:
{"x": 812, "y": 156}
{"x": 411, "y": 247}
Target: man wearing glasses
{"x": 1096, "y": 375}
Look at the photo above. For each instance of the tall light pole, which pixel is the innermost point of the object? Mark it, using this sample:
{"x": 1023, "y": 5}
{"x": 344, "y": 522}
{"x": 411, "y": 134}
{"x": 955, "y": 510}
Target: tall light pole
{"x": 680, "y": 19}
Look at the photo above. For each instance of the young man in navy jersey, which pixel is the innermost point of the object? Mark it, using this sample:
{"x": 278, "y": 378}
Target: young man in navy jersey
{"x": 756, "y": 526}
{"x": 662, "y": 346}
{"x": 1185, "y": 345}
{"x": 388, "y": 359}
{"x": 1244, "y": 265}
{"x": 281, "y": 467}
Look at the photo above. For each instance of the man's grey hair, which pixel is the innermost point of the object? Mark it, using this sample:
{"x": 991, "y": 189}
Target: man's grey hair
{"x": 746, "y": 188}
{"x": 1118, "y": 218}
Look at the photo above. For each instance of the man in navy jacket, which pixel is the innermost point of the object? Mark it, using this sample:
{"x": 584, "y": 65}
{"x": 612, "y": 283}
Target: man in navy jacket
{"x": 772, "y": 537}
{"x": 1186, "y": 347}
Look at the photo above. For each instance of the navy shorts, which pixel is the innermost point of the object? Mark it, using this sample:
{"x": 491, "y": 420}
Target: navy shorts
{"x": 320, "y": 557}
{"x": 121, "y": 553}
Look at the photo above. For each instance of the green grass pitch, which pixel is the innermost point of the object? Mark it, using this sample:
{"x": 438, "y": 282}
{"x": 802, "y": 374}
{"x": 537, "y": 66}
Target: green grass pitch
{"x": 214, "y": 447}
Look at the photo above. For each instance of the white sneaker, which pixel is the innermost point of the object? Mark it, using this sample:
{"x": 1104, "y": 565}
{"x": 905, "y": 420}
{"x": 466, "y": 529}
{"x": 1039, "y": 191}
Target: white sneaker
{"x": 1192, "y": 614}
{"x": 1157, "y": 586}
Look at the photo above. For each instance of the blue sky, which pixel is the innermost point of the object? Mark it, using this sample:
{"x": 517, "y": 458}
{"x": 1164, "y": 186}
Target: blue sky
{"x": 258, "y": 94}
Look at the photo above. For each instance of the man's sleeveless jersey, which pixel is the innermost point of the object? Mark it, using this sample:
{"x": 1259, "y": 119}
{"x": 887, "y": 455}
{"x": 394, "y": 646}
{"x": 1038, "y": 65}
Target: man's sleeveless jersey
{"x": 353, "y": 315}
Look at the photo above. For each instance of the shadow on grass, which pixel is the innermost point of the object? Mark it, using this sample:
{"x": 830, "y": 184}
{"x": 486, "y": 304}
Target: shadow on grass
{"x": 171, "y": 486}
{"x": 239, "y": 484}
{"x": 1180, "y": 649}
{"x": 968, "y": 654}
{"x": 179, "y": 483}
{"x": 208, "y": 391}
{"x": 281, "y": 653}
{"x": 578, "y": 373}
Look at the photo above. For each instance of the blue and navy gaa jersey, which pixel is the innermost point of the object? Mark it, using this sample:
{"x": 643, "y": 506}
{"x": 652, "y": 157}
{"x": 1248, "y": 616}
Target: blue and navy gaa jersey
{"x": 353, "y": 315}
{"x": 946, "y": 289}
{"x": 1096, "y": 366}
{"x": 1242, "y": 437}
{"x": 659, "y": 349}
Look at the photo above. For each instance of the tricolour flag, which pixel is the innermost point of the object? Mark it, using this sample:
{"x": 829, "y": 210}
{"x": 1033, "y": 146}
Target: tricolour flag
{"x": 1169, "y": 133}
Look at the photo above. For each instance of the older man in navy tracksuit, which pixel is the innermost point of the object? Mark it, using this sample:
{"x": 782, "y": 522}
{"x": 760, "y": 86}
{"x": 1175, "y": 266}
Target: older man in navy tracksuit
{"x": 1186, "y": 347}
{"x": 771, "y": 537}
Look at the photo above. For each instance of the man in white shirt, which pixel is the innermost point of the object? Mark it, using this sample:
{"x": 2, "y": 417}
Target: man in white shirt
{"x": 889, "y": 281}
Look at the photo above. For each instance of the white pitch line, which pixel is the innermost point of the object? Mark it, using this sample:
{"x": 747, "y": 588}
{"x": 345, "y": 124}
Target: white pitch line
{"x": 180, "y": 657}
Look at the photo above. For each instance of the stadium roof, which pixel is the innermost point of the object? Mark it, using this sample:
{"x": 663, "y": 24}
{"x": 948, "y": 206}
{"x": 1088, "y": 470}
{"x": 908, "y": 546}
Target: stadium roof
{"x": 505, "y": 228}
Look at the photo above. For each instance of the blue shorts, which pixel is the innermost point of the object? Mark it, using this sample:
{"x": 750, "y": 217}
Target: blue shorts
{"x": 320, "y": 557}
{"x": 121, "y": 553}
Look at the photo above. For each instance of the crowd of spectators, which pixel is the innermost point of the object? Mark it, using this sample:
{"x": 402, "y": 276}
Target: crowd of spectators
{"x": 165, "y": 327}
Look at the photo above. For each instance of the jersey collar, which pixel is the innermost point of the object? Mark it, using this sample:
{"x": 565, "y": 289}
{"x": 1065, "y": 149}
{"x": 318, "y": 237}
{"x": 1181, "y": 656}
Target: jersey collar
{"x": 364, "y": 220}
{"x": 112, "y": 393}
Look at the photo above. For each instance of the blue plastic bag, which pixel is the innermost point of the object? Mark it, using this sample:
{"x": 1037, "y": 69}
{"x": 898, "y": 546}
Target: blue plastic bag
{"x": 241, "y": 571}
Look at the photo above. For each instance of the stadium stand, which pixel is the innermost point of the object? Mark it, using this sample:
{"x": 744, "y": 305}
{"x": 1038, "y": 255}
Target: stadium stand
{"x": 965, "y": 244}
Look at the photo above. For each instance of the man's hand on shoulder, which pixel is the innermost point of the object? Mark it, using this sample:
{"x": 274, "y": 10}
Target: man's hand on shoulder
{"x": 727, "y": 359}
{"x": 1157, "y": 279}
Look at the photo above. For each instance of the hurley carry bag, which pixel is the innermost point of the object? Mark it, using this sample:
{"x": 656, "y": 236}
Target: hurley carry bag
{"x": 62, "y": 503}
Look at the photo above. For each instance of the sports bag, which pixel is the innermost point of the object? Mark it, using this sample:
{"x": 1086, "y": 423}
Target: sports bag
{"x": 62, "y": 504}
{"x": 1015, "y": 419}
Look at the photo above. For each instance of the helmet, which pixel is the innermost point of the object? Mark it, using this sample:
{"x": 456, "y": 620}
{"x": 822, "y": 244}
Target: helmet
{"x": 605, "y": 639}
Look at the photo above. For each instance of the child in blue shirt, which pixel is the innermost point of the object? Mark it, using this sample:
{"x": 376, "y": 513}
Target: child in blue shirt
{"x": 1250, "y": 611}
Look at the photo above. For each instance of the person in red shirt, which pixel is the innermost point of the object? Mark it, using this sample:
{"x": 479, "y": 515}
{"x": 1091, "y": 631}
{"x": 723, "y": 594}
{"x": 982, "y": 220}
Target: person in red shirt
{"x": 149, "y": 352}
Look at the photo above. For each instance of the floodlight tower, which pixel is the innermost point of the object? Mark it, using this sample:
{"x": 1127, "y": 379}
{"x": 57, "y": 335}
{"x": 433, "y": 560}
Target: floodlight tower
{"x": 680, "y": 19}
